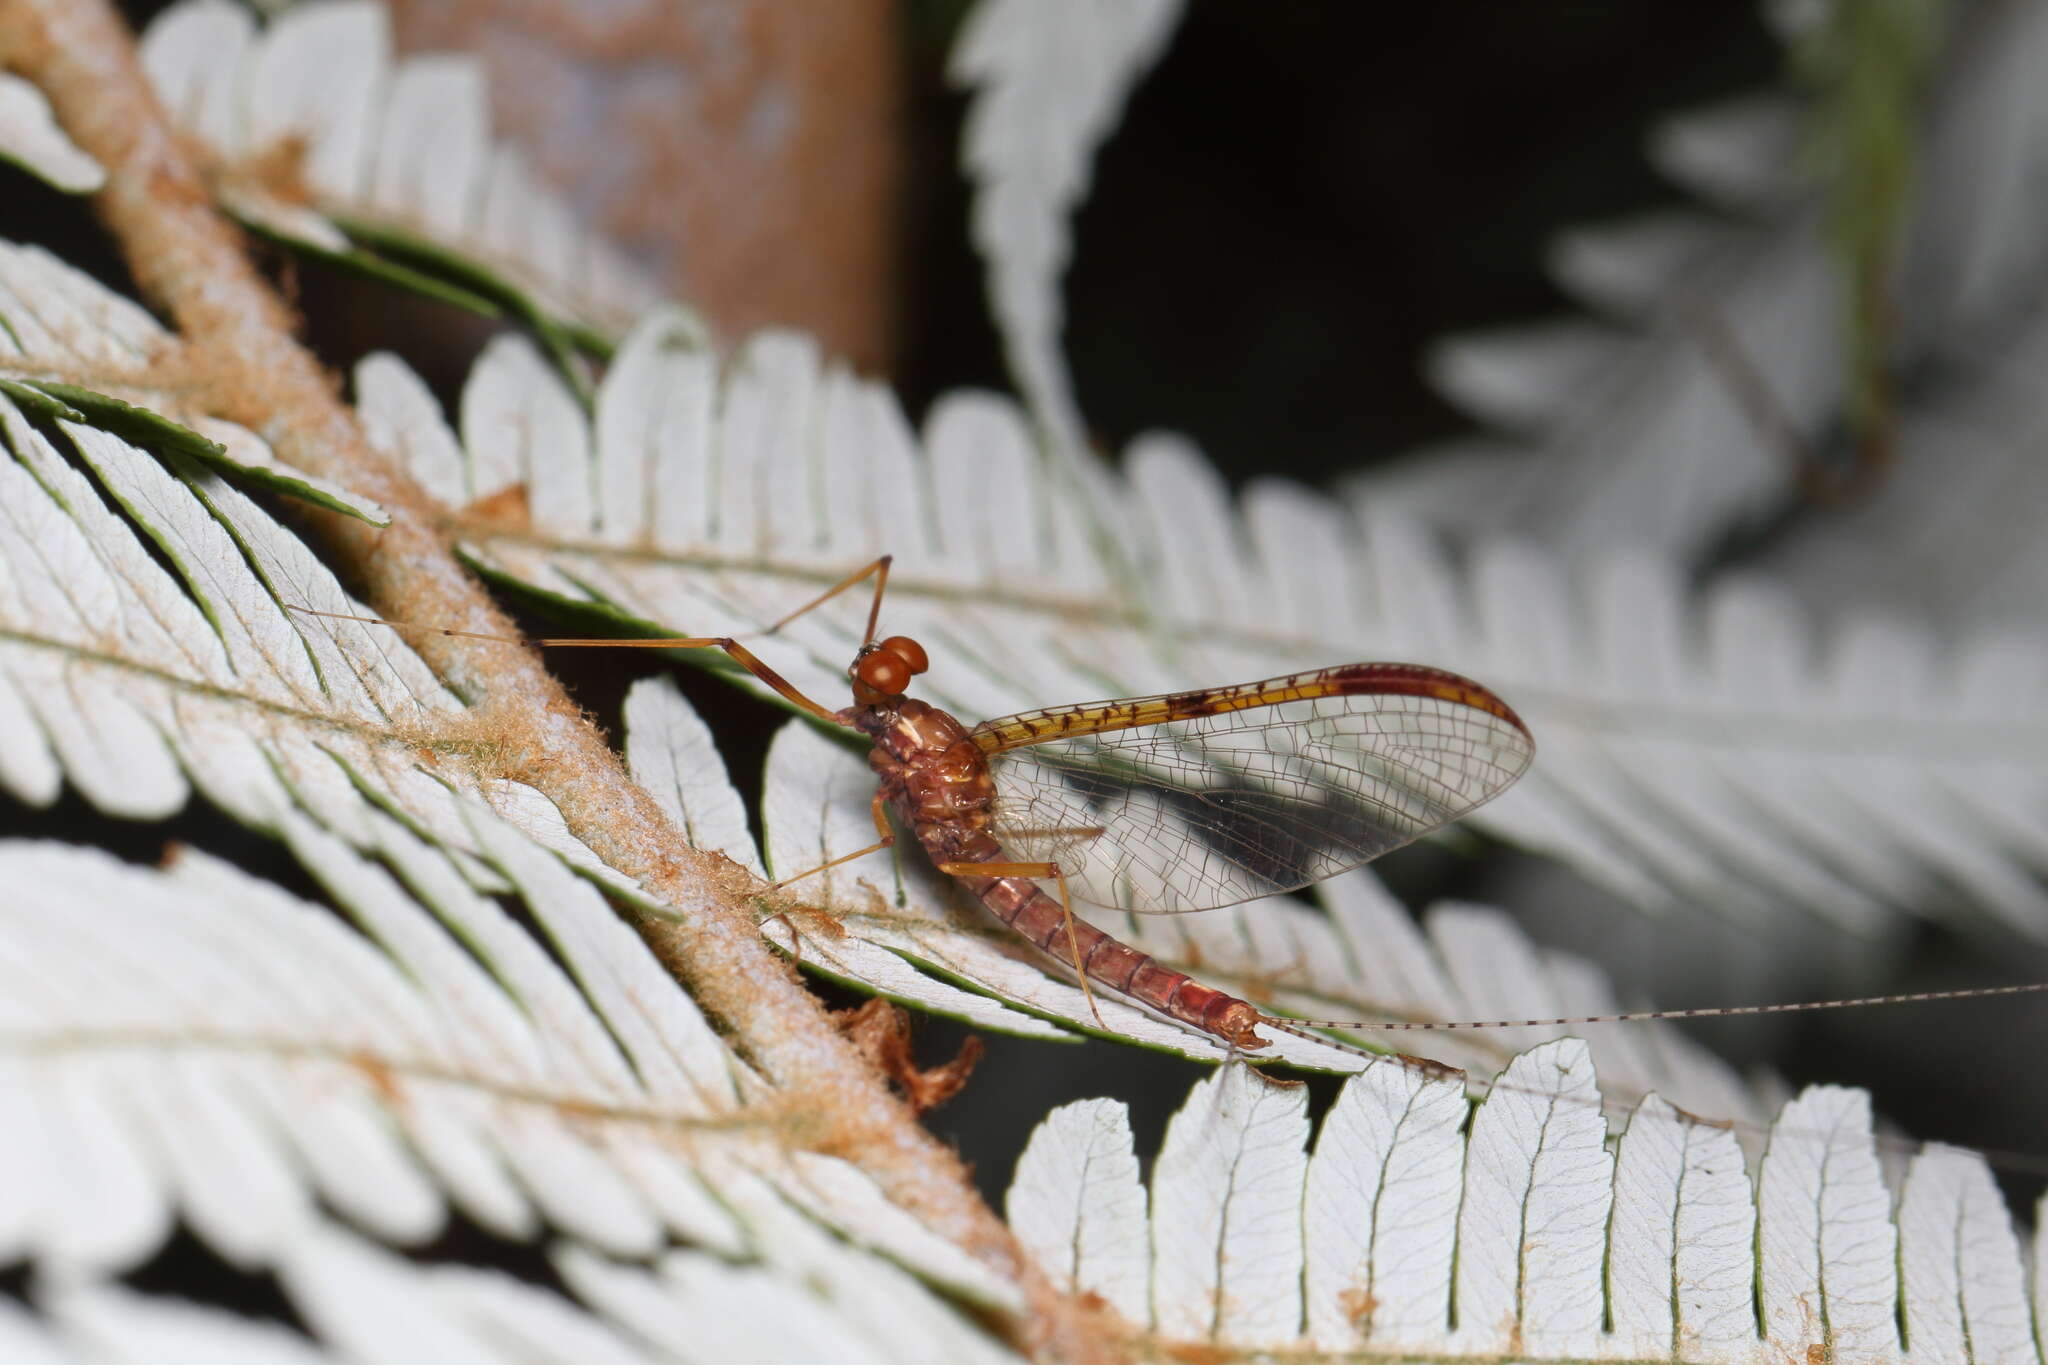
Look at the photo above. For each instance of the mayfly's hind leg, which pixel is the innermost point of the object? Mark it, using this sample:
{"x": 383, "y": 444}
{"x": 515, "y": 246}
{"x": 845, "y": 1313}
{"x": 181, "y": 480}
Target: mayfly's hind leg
{"x": 880, "y": 569}
{"x": 1039, "y": 871}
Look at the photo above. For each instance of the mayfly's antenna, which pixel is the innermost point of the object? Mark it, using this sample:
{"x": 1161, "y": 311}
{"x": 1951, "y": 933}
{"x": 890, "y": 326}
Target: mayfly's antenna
{"x": 732, "y": 648}
{"x": 880, "y": 568}
{"x": 1641, "y": 1016}
{"x": 403, "y": 626}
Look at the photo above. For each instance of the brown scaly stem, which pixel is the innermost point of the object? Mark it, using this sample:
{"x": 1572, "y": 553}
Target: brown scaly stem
{"x": 238, "y": 339}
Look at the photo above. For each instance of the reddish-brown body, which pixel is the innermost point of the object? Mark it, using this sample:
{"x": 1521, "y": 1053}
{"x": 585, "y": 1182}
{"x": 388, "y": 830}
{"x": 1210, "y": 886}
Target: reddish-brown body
{"x": 937, "y": 779}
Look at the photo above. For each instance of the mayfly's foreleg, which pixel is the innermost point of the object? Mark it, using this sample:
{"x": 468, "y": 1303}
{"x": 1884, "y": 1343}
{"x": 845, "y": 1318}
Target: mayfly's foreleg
{"x": 734, "y": 650}
{"x": 880, "y": 569}
{"x": 1039, "y": 871}
{"x": 881, "y": 813}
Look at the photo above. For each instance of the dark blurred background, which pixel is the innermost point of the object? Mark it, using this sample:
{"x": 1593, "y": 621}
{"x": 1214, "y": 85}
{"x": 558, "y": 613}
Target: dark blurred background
{"x": 1300, "y": 197}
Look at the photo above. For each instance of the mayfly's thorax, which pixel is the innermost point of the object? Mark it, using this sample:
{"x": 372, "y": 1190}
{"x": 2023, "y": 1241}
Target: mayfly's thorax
{"x": 935, "y": 777}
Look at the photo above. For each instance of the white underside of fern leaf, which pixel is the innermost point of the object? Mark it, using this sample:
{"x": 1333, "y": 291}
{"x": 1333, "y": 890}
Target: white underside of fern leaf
{"x": 1953, "y": 533}
{"x": 1528, "y": 1237}
{"x": 1721, "y": 356}
{"x": 31, "y": 139}
{"x": 1049, "y": 78}
{"x": 140, "y": 679}
{"x": 378, "y": 142}
{"x": 195, "y": 1046}
{"x": 230, "y": 1053}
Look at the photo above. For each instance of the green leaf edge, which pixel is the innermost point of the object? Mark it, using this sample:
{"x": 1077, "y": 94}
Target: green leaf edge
{"x": 143, "y": 427}
{"x": 564, "y": 341}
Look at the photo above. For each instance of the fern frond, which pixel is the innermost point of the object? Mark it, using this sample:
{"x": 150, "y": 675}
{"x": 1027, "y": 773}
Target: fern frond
{"x": 138, "y": 682}
{"x": 138, "y": 685}
{"x": 195, "y": 1045}
{"x": 322, "y": 138}
{"x": 1648, "y": 436}
{"x": 235, "y": 340}
{"x": 1733, "y": 368}
{"x": 31, "y": 139}
{"x": 72, "y": 350}
{"x": 221, "y": 445}
{"x": 1049, "y": 78}
{"x": 1405, "y": 1233}
{"x": 1953, "y": 535}
{"x": 1949, "y": 534}
{"x": 97, "y": 1321}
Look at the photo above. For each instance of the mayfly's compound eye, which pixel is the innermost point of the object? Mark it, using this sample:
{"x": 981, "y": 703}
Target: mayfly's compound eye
{"x": 910, "y": 651}
{"x": 885, "y": 671}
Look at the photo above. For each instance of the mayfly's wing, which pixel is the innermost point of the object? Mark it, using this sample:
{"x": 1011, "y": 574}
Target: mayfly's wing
{"x": 1195, "y": 800}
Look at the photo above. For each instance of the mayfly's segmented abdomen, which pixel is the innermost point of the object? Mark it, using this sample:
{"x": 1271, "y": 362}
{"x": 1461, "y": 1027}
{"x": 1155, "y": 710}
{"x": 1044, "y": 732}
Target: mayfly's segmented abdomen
{"x": 1019, "y": 903}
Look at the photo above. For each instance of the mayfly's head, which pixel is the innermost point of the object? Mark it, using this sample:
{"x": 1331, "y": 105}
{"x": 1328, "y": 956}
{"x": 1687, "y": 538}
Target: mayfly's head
{"x": 881, "y": 671}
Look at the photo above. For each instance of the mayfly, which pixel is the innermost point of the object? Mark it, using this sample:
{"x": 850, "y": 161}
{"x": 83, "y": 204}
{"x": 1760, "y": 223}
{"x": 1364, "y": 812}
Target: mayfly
{"x": 1182, "y": 802}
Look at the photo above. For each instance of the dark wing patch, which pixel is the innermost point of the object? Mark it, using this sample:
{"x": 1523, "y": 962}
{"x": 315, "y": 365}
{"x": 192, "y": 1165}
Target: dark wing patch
{"x": 1244, "y": 797}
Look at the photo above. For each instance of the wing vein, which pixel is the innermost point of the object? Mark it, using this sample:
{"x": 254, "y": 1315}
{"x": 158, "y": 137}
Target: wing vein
{"x": 1195, "y": 800}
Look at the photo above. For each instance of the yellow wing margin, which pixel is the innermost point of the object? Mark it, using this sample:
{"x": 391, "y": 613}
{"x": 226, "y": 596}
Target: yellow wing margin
{"x": 1098, "y": 717}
